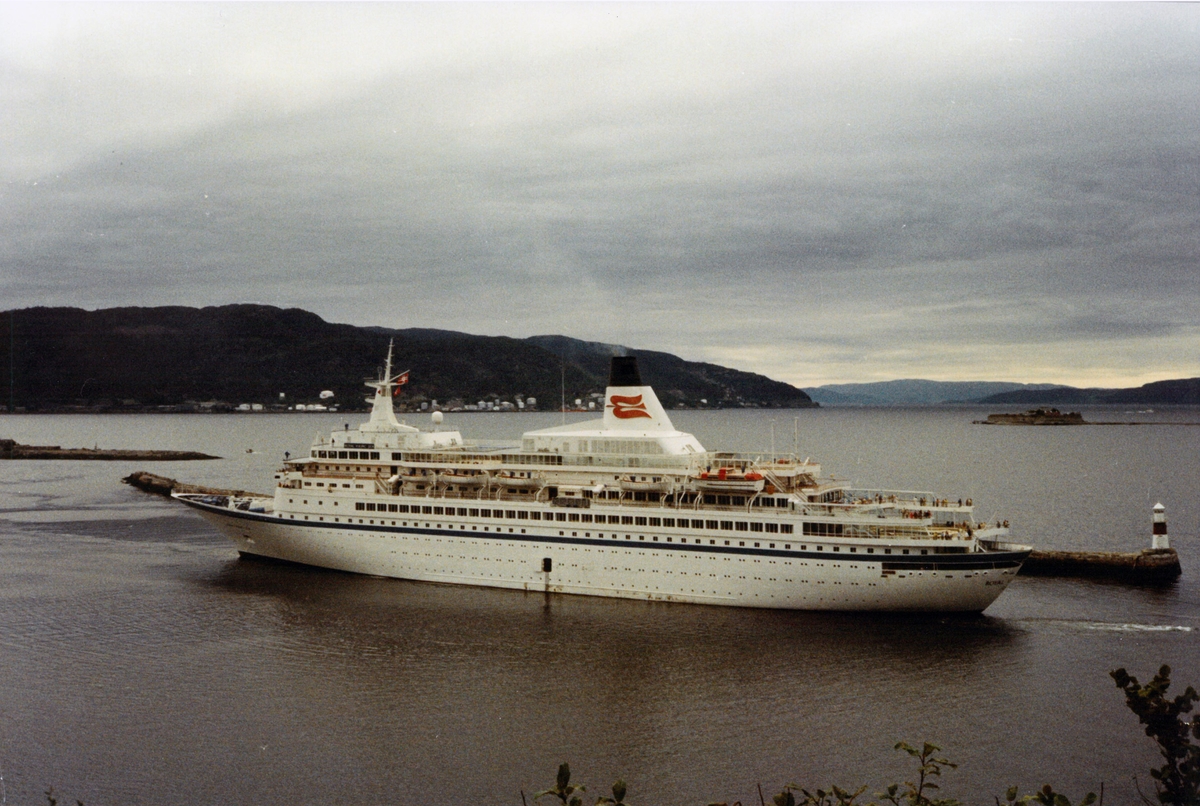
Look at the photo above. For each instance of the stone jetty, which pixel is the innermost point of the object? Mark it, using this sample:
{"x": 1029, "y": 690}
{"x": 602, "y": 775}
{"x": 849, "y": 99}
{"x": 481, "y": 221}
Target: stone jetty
{"x": 1147, "y": 565}
{"x": 1159, "y": 563}
{"x": 11, "y": 449}
{"x": 160, "y": 485}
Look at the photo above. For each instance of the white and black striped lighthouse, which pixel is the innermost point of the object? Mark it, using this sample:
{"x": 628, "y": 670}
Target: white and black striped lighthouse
{"x": 1158, "y": 535}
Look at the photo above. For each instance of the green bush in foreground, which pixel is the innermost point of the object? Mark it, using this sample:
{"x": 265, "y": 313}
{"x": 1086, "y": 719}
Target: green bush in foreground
{"x": 1176, "y": 783}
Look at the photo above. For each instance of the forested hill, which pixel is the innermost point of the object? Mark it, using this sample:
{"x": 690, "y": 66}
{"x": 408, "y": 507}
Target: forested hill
{"x": 146, "y": 357}
{"x": 1182, "y": 392}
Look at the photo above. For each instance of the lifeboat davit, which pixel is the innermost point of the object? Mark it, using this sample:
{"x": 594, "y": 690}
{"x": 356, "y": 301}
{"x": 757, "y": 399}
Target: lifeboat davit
{"x": 463, "y": 478}
{"x": 723, "y": 480}
{"x": 518, "y": 479}
{"x": 647, "y": 484}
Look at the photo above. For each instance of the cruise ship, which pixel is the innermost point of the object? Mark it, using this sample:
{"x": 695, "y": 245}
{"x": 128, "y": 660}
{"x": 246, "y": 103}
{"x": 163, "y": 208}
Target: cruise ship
{"x": 623, "y": 506}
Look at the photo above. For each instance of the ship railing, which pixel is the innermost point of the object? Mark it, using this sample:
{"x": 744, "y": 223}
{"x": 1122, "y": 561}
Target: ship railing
{"x": 909, "y": 498}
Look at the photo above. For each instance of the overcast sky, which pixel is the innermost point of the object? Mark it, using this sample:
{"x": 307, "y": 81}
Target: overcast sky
{"x": 820, "y": 193}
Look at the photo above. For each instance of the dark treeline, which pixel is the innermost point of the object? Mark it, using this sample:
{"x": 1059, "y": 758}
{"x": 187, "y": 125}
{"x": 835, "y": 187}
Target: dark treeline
{"x": 147, "y": 357}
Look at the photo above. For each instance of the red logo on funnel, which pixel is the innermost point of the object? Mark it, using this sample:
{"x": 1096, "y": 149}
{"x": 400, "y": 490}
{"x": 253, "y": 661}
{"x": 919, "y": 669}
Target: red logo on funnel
{"x": 627, "y": 407}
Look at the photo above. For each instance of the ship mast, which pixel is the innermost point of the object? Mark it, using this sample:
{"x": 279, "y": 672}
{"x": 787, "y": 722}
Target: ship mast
{"x": 383, "y": 416}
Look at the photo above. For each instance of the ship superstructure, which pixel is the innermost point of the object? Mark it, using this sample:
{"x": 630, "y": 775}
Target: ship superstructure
{"x": 625, "y": 506}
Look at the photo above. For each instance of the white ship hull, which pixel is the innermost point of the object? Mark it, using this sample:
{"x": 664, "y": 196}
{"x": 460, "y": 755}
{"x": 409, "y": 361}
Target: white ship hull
{"x": 390, "y": 500}
{"x": 463, "y": 553}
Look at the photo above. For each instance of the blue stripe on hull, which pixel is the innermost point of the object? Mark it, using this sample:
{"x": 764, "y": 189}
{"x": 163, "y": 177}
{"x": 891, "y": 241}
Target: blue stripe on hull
{"x": 931, "y": 562}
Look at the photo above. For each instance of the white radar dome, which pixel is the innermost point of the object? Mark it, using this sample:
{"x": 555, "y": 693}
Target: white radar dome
{"x": 326, "y": 394}
{"x": 437, "y": 418}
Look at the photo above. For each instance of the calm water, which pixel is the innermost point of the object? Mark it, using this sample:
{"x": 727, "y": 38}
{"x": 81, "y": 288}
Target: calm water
{"x": 142, "y": 662}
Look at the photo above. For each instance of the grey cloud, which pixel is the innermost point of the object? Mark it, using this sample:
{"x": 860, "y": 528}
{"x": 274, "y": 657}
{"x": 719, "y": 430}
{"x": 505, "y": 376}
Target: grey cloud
{"x": 751, "y": 181}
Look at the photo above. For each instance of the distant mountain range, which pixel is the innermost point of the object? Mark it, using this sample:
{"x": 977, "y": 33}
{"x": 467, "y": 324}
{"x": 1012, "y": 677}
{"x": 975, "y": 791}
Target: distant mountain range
{"x": 998, "y": 393}
{"x": 139, "y": 358}
{"x": 914, "y": 392}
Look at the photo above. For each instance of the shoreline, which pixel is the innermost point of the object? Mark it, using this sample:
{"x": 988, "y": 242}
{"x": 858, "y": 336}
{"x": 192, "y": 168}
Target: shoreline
{"x": 13, "y": 450}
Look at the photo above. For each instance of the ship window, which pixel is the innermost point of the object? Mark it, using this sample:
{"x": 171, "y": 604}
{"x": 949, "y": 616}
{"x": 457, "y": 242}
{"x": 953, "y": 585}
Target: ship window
{"x": 870, "y": 551}
{"x": 360, "y": 506}
{"x": 374, "y": 454}
{"x": 727, "y": 525}
{"x": 522, "y": 515}
{"x": 342, "y": 455}
{"x": 698, "y": 524}
{"x": 560, "y": 516}
{"x": 711, "y": 525}
{"x": 668, "y": 539}
{"x": 627, "y": 519}
{"x": 786, "y": 528}
{"x": 512, "y": 513}
{"x": 639, "y": 521}
{"x": 656, "y": 521}
{"x": 574, "y": 517}
{"x": 587, "y": 518}
{"x": 370, "y": 507}
{"x": 722, "y": 500}
{"x": 853, "y": 550}
{"x": 772, "y": 527}
{"x": 668, "y": 522}
{"x": 710, "y": 499}
{"x": 474, "y": 513}
{"x": 655, "y": 538}
{"x": 743, "y": 526}
{"x": 537, "y": 516}
{"x": 308, "y": 484}
{"x": 887, "y": 551}
{"x": 741, "y": 542}
{"x": 924, "y": 551}
{"x": 427, "y": 510}
{"x": 837, "y": 548}
{"x": 437, "y": 510}
{"x": 755, "y": 545}
{"x": 772, "y": 545}
{"x": 614, "y": 519}
{"x": 756, "y": 527}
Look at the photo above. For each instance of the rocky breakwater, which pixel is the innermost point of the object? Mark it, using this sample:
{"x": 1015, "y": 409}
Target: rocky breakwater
{"x": 1147, "y": 565}
{"x": 161, "y": 485}
{"x": 1157, "y": 564}
{"x": 11, "y": 449}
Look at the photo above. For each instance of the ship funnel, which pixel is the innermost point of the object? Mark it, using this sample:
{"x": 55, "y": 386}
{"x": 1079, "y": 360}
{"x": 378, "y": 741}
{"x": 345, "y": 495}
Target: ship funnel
{"x": 629, "y": 405}
{"x": 624, "y": 371}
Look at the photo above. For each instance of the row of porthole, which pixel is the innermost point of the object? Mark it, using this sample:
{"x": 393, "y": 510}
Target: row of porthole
{"x": 654, "y": 538}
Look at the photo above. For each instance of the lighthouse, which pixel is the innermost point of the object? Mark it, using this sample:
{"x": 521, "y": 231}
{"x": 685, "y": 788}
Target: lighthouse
{"x": 1158, "y": 535}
